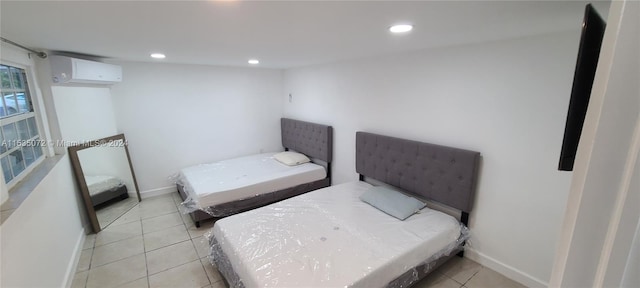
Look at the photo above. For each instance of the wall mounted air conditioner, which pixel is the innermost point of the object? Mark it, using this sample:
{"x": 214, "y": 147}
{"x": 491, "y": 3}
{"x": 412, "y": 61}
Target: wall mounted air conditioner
{"x": 73, "y": 70}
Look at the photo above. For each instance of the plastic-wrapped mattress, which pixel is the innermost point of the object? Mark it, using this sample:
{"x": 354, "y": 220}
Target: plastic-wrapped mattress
{"x": 243, "y": 177}
{"x": 328, "y": 238}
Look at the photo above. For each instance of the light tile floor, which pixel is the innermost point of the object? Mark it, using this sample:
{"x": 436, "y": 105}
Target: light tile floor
{"x": 153, "y": 245}
{"x": 109, "y": 212}
{"x": 462, "y": 272}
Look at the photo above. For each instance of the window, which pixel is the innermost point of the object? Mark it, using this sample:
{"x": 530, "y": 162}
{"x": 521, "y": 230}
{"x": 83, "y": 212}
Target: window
{"x": 20, "y": 145}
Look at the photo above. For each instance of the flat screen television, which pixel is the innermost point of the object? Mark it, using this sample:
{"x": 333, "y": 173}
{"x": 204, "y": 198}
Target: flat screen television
{"x": 592, "y": 32}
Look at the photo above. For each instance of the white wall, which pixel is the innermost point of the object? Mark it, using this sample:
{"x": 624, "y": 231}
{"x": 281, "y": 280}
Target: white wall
{"x": 78, "y": 113}
{"x": 44, "y": 233}
{"x": 179, "y": 115}
{"x": 84, "y": 113}
{"x": 603, "y": 209}
{"x": 506, "y": 99}
{"x": 39, "y": 241}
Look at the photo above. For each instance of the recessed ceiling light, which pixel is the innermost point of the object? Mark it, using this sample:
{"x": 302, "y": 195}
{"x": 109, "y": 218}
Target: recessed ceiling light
{"x": 158, "y": 56}
{"x": 253, "y": 61}
{"x": 401, "y": 28}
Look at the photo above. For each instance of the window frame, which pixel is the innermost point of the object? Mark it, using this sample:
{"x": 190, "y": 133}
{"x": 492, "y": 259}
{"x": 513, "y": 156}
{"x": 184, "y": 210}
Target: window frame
{"x": 36, "y": 113}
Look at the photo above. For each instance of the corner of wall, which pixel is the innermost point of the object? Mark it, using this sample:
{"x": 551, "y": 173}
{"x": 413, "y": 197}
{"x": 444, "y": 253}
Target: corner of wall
{"x": 43, "y": 71}
{"x": 504, "y": 269}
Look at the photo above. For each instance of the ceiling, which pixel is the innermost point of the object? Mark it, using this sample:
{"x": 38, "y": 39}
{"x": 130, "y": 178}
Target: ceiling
{"x": 281, "y": 34}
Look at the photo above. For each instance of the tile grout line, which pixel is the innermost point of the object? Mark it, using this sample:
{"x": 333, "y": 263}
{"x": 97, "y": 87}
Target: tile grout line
{"x": 86, "y": 281}
{"x": 194, "y": 247}
{"x": 186, "y": 229}
{"x": 200, "y": 259}
{"x": 139, "y": 221}
{"x": 193, "y": 244}
{"x": 144, "y": 248}
{"x": 113, "y": 261}
{"x": 93, "y": 247}
{"x": 474, "y": 275}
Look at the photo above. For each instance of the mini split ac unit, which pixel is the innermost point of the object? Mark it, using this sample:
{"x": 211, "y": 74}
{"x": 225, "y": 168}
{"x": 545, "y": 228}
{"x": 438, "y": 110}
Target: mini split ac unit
{"x": 73, "y": 70}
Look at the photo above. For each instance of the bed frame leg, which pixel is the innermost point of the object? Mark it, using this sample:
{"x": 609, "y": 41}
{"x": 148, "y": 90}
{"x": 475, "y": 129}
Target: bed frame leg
{"x": 197, "y": 224}
{"x": 464, "y": 218}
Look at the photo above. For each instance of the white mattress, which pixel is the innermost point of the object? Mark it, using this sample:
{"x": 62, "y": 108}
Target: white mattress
{"x": 100, "y": 183}
{"x": 329, "y": 238}
{"x": 244, "y": 177}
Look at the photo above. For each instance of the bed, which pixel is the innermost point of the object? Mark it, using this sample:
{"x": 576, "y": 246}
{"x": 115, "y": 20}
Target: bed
{"x": 227, "y": 187}
{"x": 104, "y": 188}
{"x": 330, "y": 238}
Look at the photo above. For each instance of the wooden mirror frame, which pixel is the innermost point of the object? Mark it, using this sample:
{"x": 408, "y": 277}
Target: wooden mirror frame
{"x": 80, "y": 179}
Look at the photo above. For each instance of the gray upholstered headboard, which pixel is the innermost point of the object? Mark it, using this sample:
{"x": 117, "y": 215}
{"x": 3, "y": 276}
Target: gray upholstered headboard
{"x": 444, "y": 174}
{"x": 314, "y": 140}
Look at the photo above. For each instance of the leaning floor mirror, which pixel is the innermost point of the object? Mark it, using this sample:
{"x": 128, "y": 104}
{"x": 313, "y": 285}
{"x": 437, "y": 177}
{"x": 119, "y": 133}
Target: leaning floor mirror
{"x": 105, "y": 176}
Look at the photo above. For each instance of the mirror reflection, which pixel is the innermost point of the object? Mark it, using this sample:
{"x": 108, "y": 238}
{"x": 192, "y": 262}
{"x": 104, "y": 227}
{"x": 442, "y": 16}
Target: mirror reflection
{"x": 106, "y": 179}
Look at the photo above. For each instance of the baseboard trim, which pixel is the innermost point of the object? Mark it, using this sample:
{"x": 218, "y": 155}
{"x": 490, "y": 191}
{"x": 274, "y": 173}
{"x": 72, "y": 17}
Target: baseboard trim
{"x": 75, "y": 259}
{"x": 158, "y": 191}
{"x": 504, "y": 269}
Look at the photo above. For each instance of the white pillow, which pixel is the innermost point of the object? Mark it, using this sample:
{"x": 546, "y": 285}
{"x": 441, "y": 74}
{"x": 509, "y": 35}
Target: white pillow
{"x": 291, "y": 158}
{"x": 392, "y": 202}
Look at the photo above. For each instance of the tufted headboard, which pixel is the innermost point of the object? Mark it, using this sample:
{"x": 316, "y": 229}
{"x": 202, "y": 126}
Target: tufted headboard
{"x": 314, "y": 140}
{"x": 443, "y": 174}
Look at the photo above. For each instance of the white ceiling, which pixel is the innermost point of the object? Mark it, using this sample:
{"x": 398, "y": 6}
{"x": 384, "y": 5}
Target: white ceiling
{"x": 281, "y": 34}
